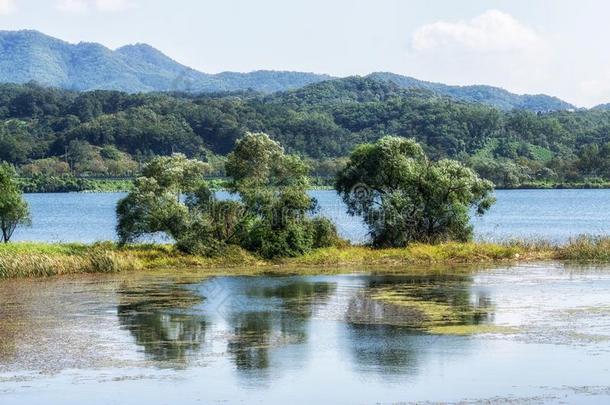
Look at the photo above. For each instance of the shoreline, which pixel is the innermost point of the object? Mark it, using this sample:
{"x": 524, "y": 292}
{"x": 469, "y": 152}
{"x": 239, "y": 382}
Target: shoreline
{"x": 124, "y": 185}
{"x": 33, "y": 260}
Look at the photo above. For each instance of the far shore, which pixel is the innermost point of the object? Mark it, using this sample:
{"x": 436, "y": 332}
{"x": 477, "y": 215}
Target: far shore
{"x": 113, "y": 185}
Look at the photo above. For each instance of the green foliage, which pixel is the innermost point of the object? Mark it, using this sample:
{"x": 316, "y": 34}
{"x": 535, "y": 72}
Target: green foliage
{"x": 45, "y": 167}
{"x": 492, "y": 96}
{"x": 270, "y": 219}
{"x": 69, "y": 184}
{"x": 14, "y": 209}
{"x": 155, "y": 204}
{"x": 52, "y": 184}
{"x": 172, "y": 197}
{"x": 273, "y": 187}
{"x": 502, "y": 172}
{"x": 403, "y": 197}
{"x": 109, "y": 133}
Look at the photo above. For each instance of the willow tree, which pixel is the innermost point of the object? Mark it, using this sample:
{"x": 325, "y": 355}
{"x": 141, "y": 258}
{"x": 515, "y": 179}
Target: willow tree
{"x": 273, "y": 187}
{"x": 404, "y": 197}
{"x": 172, "y": 197}
{"x": 14, "y": 209}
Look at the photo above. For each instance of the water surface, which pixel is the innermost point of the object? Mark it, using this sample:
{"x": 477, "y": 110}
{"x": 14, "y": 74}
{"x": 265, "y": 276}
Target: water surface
{"x": 554, "y": 215}
{"x": 534, "y": 334}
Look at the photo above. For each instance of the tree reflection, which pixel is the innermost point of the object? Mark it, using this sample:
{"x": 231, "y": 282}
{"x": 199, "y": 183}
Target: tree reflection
{"x": 419, "y": 301}
{"x": 383, "y": 349}
{"x": 388, "y": 321}
{"x": 255, "y": 333}
{"x": 156, "y": 317}
{"x": 251, "y": 340}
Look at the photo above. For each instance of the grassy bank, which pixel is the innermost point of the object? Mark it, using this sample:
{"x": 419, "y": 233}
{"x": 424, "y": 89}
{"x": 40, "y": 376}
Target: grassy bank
{"x": 43, "y": 260}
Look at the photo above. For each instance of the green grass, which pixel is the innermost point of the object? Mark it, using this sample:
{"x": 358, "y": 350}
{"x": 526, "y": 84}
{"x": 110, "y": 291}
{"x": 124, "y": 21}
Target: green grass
{"x": 539, "y": 153}
{"x": 43, "y": 248}
{"x": 42, "y": 260}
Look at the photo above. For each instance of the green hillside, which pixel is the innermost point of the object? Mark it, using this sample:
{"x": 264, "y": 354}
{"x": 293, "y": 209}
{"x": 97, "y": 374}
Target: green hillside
{"x": 47, "y": 130}
{"x": 32, "y": 56}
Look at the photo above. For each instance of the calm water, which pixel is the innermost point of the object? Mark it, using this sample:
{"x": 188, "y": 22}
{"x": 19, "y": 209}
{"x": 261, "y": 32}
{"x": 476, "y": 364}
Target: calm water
{"x": 538, "y": 334}
{"x": 554, "y": 215}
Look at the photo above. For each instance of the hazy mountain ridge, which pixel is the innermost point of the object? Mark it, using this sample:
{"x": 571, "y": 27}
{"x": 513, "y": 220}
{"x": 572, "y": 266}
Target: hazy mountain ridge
{"x": 493, "y": 96}
{"x": 32, "y": 56}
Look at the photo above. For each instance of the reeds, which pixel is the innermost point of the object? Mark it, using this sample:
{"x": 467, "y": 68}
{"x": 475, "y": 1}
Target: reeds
{"x": 44, "y": 260}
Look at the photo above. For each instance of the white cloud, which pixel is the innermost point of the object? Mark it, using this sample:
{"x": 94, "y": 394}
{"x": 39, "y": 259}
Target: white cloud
{"x": 492, "y": 31}
{"x": 73, "y": 6}
{"x": 595, "y": 90}
{"x": 7, "y": 7}
{"x": 491, "y": 48}
{"x": 84, "y": 6}
{"x": 113, "y": 5}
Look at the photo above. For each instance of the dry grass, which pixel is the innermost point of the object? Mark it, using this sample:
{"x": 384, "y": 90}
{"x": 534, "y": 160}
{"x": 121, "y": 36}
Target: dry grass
{"x": 414, "y": 254}
{"x": 585, "y": 248}
{"x": 43, "y": 260}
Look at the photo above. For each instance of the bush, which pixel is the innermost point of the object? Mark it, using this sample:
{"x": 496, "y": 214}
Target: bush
{"x": 324, "y": 233}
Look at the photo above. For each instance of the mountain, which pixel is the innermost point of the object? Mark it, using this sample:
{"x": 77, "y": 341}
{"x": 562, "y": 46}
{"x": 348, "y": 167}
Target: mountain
{"x": 489, "y": 95}
{"x": 602, "y": 107}
{"x": 32, "y": 56}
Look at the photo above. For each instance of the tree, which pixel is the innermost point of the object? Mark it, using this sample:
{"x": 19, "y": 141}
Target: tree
{"x": 273, "y": 186}
{"x": 173, "y": 198}
{"x": 404, "y": 197}
{"x": 14, "y": 209}
{"x": 156, "y": 203}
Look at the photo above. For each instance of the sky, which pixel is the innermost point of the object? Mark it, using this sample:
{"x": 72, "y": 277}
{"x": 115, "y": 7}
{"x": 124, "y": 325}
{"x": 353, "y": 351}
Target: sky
{"x": 556, "y": 47}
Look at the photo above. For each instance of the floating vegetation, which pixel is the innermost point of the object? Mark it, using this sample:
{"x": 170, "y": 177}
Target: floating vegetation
{"x": 430, "y": 304}
{"x": 467, "y": 330}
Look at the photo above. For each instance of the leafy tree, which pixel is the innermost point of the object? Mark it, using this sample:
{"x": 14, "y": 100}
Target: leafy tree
{"x": 502, "y": 172}
{"x": 273, "y": 186}
{"x": 49, "y": 167}
{"x": 156, "y": 203}
{"x": 14, "y": 209}
{"x": 173, "y": 198}
{"x": 15, "y": 145}
{"x": 404, "y": 197}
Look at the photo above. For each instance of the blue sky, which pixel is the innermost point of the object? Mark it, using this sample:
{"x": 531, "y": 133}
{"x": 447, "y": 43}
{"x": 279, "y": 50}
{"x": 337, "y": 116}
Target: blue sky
{"x": 555, "y": 47}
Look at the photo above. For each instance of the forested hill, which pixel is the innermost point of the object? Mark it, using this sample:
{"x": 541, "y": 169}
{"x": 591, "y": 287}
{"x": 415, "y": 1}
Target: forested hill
{"x": 492, "y": 96}
{"x": 47, "y": 130}
{"x": 32, "y": 56}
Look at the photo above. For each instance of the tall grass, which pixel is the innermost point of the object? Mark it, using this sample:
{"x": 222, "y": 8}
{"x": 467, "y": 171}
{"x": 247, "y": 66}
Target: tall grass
{"x": 43, "y": 260}
{"x": 585, "y": 248}
{"x": 451, "y": 252}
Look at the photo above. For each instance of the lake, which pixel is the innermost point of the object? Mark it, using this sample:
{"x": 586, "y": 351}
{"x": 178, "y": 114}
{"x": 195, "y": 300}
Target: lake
{"x": 522, "y": 334}
{"x": 554, "y": 215}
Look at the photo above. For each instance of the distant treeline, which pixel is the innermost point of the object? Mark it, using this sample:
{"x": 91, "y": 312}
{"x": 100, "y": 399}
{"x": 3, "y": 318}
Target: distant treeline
{"x": 52, "y": 132}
